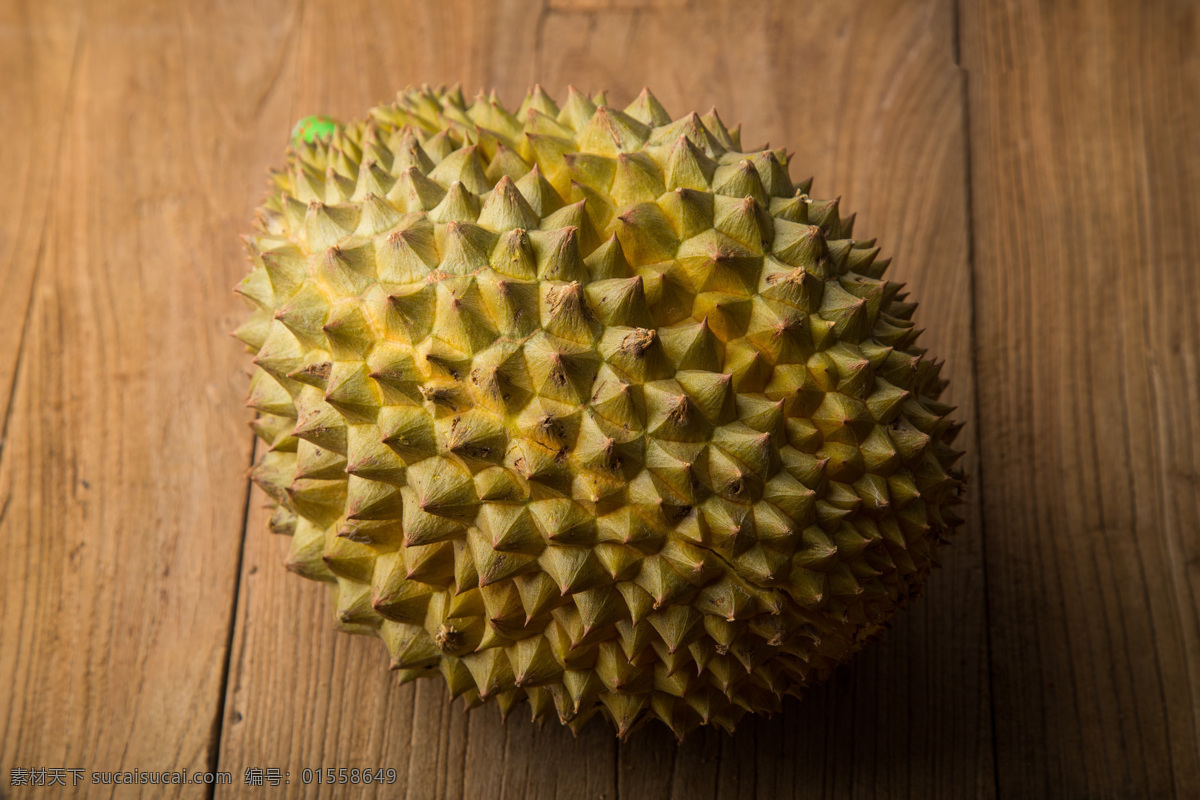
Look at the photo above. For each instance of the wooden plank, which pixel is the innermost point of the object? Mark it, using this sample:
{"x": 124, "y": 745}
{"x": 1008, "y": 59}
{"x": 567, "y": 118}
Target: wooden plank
{"x": 121, "y": 472}
{"x": 912, "y": 712}
{"x": 1086, "y": 198}
{"x": 39, "y": 49}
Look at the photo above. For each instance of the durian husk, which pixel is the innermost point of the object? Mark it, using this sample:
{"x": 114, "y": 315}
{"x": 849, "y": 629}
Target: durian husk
{"x": 589, "y": 408}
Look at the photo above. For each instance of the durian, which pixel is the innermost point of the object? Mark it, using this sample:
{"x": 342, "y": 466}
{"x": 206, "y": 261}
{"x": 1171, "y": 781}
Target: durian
{"x": 589, "y": 408}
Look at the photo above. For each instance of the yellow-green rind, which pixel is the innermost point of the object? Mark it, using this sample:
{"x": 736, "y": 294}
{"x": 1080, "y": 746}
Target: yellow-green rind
{"x": 589, "y": 408}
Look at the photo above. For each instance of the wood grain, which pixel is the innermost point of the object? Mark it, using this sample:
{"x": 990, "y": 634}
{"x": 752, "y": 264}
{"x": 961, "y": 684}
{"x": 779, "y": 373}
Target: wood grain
{"x": 1042, "y": 202}
{"x": 1086, "y": 196}
{"x": 39, "y": 42}
{"x": 121, "y": 472}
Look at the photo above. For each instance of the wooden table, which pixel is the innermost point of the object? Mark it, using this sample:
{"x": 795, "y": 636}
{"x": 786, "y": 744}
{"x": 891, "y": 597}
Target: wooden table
{"x": 1032, "y": 167}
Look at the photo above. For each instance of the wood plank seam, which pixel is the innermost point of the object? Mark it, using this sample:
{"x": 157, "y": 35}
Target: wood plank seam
{"x": 219, "y": 718}
{"x": 976, "y": 443}
{"x": 1092, "y": 493}
{"x": 292, "y": 37}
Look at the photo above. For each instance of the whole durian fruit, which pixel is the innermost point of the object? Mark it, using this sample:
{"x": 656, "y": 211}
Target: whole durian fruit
{"x": 589, "y": 408}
